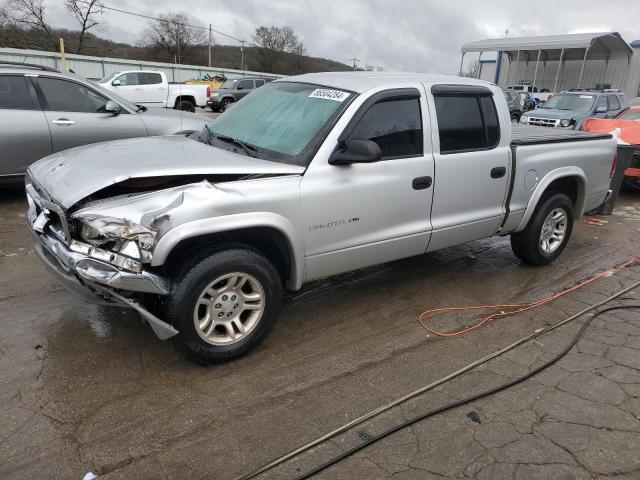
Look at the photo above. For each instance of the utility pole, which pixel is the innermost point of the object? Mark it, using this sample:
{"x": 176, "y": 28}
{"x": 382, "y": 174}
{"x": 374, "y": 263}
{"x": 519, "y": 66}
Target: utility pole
{"x": 242, "y": 55}
{"x": 209, "y": 44}
{"x": 355, "y": 62}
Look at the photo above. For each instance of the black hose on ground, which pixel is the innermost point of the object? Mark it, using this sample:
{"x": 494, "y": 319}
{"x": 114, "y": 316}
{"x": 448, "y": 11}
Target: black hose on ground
{"x": 374, "y": 438}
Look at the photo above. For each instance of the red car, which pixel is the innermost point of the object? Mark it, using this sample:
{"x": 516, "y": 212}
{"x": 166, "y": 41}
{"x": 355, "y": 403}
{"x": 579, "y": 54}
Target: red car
{"x": 625, "y": 126}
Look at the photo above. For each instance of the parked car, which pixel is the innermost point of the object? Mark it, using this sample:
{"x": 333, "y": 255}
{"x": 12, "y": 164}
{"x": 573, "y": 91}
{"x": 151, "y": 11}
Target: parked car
{"x": 570, "y": 109}
{"x": 515, "y": 104}
{"x": 43, "y": 111}
{"x": 233, "y": 90}
{"x": 210, "y": 232}
{"x": 528, "y": 101}
{"x": 627, "y": 128}
{"x": 152, "y": 89}
{"x": 538, "y": 96}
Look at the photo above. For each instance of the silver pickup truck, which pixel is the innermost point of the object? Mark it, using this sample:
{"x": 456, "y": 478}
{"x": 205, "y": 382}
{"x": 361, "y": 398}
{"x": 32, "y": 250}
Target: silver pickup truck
{"x": 307, "y": 177}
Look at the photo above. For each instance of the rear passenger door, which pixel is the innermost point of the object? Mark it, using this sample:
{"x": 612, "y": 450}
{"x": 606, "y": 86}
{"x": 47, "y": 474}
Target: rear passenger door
{"x": 153, "y": 88}
{"x": 472, "y": 164}
{"x": 24, "y": 136}
{"x": 76, "y": 115}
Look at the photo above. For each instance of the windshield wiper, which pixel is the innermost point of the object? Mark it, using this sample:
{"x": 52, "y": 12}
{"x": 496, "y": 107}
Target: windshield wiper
{"x": 249, "y": 150}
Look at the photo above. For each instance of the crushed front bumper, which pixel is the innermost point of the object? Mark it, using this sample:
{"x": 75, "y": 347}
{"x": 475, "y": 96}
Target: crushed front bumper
{"x": 96, "y": 281}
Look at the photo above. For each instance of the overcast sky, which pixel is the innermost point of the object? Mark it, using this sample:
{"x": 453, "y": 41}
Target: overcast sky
{"x": 407, "y": 35}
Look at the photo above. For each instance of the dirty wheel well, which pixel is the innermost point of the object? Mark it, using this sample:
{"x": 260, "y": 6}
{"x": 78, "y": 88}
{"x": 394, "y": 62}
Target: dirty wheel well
{"x": 185, "y": 98}
{"x": 570, "y": 186}
{"x": 268, "y": 241}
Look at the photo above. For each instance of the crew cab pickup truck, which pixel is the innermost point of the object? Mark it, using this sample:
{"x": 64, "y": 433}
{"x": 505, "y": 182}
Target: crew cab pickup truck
{"x": 307, "y": 177}
{"x": 152, "y": 89}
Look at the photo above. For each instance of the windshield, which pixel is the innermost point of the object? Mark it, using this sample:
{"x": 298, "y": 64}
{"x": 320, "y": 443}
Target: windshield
{"x": 229, "y": 84}
{"x": 108, "y": 77}
{"x": 571, "y": 101}
{"x": 282, "y": 121}
{"x": 631, "y": 114}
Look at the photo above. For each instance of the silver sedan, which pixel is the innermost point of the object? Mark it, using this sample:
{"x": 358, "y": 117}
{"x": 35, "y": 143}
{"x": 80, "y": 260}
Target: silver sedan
{"x": 43, "y": 111}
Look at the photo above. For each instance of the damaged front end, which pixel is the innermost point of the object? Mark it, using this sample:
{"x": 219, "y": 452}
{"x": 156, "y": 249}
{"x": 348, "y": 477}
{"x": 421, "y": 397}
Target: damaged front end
{"x": 106, "y": 265}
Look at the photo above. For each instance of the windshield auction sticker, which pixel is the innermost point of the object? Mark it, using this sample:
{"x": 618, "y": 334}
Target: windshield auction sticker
{"x": 327, "y": 94}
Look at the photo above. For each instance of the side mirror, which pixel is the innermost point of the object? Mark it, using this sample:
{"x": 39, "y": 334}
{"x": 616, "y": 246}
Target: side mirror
{"x": 601, "y": 109}
{"x": 356, "y": 151}
{"x": 112, "y": 107}
{"x": 116, "y": 83}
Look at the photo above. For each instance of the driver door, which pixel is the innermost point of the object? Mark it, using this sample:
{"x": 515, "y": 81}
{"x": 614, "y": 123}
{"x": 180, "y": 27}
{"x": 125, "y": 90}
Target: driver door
{"x": 76, "y": 115}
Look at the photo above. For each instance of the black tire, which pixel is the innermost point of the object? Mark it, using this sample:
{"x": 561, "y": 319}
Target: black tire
{"x": 186, "y": 291}
{"x": 526, "y": 245}
{"x": 515, "y": 117}
{"x": 186, "y": 105}
{"x": 225, "y": 104}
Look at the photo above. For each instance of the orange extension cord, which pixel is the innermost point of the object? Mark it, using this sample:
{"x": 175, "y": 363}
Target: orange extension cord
{"x": 512, "y": 309}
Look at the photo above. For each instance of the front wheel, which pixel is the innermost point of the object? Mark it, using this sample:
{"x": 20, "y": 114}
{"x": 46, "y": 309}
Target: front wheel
{"x": 225, "y": 104}
{"x": 225, "y": 305}
{"x": 547, "y": 233}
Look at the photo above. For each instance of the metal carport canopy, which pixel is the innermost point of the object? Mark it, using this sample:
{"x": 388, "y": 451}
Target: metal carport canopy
{"x": 601, "y": 46}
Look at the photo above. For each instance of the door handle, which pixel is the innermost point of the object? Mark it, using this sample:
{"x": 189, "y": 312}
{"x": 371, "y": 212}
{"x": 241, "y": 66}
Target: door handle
{"x": 498, "y": 172}
{"x": 63, "y": 122}
{"x": 420, "y": 183}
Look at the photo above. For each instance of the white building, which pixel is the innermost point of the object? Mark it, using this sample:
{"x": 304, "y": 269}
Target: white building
{"x": 560, "y": 62}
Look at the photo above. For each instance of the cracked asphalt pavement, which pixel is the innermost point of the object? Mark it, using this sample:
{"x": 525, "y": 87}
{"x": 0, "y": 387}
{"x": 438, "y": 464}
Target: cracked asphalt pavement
{"x": 89, "y": 389}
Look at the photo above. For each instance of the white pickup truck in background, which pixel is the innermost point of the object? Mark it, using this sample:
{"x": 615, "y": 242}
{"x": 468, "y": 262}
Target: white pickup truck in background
{"x": 152, "y": 89}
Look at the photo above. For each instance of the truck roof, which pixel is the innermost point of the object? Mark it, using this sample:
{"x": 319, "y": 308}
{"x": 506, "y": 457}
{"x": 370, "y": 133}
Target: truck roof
{"x": 362, "y": 81}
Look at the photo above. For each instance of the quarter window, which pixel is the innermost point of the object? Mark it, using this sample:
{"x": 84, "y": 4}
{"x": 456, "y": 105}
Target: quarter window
{"x": 613, "y": 102}
{"x": 467, "y": 122}
{"x": 395, "y": 125}
{"x": 66, "y": 96}
{"x": 259, "y": 83}
{"x": 150, "y": 78}
{"x": 14, "y": 93}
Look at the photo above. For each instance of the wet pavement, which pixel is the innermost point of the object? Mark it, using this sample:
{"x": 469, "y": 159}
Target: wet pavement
{"x": 89, "y": 389}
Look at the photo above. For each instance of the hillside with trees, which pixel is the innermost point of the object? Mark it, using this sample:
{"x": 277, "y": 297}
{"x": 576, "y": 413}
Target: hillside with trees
{"x": 24, "y": 24}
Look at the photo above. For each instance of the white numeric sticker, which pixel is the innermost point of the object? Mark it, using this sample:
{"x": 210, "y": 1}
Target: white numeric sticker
{"x": 336, "y": 95}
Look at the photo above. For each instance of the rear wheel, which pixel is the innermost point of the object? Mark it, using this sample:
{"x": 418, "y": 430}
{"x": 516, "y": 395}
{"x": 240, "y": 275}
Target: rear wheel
{"x": 224, "y": 305}
{"x": 186, "y": 105}
{"x": 547, "y": 233}
{"x": 225, "y": 104}
{"x": 515, "y": 117}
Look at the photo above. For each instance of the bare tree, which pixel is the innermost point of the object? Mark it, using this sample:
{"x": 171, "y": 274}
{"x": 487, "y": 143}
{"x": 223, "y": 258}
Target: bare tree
{"x": 31, "y": 15}
{"x": 84, "y": 11}
{"x": 473, "y": 71}
{"x": 173, "y": 36}
{"x": 274, "y": 43}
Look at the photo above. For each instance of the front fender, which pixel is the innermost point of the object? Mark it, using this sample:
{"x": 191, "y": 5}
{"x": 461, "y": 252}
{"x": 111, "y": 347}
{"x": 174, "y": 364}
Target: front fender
{"x": 237, "y": 221}
{"x": 547, "y": 180}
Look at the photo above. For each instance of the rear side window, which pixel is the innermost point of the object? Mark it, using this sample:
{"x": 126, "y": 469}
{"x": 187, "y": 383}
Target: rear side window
{"x": 245, "y": 85}
{"x": 150, "y": 78}
{"x": 613, "y": 102}
{"x": 467, "y": 122}
{"x": 395, "y": 125}
{"x": 14, "y": 93}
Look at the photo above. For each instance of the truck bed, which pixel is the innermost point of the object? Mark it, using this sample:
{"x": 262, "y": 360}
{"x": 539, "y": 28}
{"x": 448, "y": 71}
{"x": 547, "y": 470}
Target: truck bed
{"x": 532, "y": 135}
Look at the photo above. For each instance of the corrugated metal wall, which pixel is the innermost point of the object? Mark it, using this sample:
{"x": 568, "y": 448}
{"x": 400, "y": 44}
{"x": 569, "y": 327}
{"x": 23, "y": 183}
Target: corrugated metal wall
{"x": 97, "y": 67}
{"x": 618, "y": 73}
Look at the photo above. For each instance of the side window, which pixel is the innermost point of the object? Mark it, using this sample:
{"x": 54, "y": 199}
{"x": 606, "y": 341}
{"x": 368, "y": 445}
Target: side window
{"x": 613, "y": 102}
{"x": 395, "y": 125}
{"x": 245, "y": 85}
{"x": 259, "y": 83}
{"x": 14, "y": 93}
{"x": 602, "y": 102}
{"x": 150, "y": 78}
{"x": 467, "y": 122}
{"x": 65, "y": 96}
{"x": 127, "y": 79}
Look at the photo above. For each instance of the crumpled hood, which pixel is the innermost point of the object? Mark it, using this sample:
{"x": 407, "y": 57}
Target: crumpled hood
{"x": 74, "y": 174}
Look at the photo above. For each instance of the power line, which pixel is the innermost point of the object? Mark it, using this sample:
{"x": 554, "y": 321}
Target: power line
{"x": 164, "y": 20}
